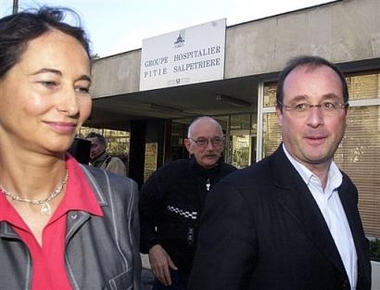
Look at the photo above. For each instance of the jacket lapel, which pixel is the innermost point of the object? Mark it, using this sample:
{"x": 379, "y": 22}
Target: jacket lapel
{"x": 294, "y": 195}
{"x": 349, "y": 198}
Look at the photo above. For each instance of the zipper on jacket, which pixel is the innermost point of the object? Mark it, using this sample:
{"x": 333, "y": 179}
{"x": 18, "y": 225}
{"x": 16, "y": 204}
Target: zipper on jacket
{"x": 208, "y": 184}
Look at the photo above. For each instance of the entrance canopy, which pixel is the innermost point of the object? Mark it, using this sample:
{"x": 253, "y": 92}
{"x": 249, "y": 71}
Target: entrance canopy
{"x": 232, "y": 96}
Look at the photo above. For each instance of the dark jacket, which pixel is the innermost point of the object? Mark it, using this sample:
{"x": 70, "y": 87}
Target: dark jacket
{"x": 101, "y": 252}
{"x": 261, "y": 229}
{"x": 171, "y": 203}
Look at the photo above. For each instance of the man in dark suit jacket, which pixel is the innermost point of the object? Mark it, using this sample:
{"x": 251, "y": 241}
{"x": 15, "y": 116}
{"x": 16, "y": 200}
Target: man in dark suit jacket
{"x": 291, "y": 221}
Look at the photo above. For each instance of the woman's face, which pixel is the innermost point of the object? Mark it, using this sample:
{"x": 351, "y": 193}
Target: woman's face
{"x": 45, "y": 97}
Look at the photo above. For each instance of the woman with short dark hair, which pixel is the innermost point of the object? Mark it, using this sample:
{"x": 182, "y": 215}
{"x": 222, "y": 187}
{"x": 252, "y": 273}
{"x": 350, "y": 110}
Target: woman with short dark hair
{"x": 62, "y": 225}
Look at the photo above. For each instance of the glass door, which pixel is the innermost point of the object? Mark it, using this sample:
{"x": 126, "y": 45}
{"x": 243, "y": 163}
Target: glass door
{"x": 242, "y": 140}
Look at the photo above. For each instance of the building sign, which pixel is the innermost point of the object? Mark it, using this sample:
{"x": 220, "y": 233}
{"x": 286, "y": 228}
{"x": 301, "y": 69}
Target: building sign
{"x": 191, "y": 55}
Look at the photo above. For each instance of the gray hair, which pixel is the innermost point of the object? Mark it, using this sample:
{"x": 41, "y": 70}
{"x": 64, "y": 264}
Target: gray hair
{"x": 198, "y": 119}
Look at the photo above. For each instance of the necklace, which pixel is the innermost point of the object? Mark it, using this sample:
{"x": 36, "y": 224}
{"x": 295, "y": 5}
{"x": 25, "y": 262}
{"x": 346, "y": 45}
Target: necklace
{"x": 46, "y": 208}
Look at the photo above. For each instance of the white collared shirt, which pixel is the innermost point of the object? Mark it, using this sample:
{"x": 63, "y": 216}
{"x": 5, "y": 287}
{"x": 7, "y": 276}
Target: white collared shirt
{"x": 332, "y": 210}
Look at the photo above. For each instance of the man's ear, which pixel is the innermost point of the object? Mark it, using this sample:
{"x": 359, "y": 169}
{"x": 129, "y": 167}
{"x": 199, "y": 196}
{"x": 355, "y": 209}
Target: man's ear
{"x": 279, "y": 115}
{"x": 187, "y": 144}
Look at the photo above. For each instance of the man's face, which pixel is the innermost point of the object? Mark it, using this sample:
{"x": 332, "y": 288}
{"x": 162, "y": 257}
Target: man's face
{"x": 206, "y": 143}
{"x": 312, "y": 138}
{"x": 96, "y": 147}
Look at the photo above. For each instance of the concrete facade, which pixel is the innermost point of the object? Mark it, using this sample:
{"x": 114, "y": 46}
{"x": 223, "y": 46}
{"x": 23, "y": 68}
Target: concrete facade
{"x": 344, "y": 31}
{"x": 115, "y": 75}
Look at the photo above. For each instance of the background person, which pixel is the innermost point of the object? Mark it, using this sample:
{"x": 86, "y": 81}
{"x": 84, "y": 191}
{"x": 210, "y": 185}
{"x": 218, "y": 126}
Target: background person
{"x": 172, "y": 200}
{"x": 62, "y": 225}
{"x": 99, "y": 156}
{"x": 291, "y": 221}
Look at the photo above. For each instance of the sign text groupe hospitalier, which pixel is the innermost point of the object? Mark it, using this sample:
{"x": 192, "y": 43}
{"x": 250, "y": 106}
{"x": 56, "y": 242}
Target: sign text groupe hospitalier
{"x": 204, "y": 63}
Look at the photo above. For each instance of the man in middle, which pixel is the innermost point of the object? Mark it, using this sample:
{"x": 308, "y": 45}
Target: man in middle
{"x": 171, "y": 202}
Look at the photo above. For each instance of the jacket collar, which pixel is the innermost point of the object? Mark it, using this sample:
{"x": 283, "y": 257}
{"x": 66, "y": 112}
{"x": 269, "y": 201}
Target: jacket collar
{"x": 98, "y": 161}
{"x": 194, "y": 165}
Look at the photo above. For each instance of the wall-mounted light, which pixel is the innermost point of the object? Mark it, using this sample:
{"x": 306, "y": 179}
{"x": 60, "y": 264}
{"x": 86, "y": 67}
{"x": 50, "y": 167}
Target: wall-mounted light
{"x": 233, "y": 101}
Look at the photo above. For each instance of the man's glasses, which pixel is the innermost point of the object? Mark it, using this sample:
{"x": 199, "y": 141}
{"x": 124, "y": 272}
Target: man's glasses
{"x": 203, "y": 142}
{"x": 327, "y": 108}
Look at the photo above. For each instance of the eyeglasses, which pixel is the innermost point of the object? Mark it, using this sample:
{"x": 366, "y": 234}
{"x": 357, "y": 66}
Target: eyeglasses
{"x": 203, "y": 142}
{"x": 327, "y": 108}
